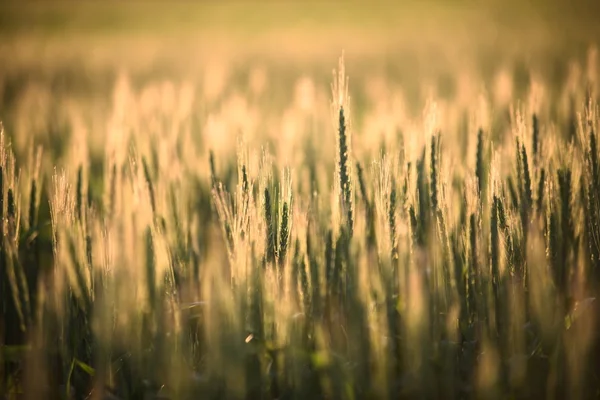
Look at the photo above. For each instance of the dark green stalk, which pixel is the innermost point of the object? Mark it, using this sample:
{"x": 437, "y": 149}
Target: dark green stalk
{"x": 414, "y": 224}
{"x": 113, "y": 190}
{"x": 540, "y": 191}
{"x": 90, "y": 195}
{"x": 495, "y": 258}
{"x": 88, "y": 251}
{"x": 19, "y": 290}
{"x": 213, "y": 170}
{"x": 567, "y": 235}
{"x": 296, "y": 263}
{"x": 33, "y": 253}
{"x": 572, "y": 122}
{"x": 1, "y": 203}
{"x": 329, "y": 260}
{"x": 565, "y": 189}
{"x": 341, "y": 260}
{"x": 593, "y": 203}
{"x": 7, "y": 321}
{"x": 257, "y": 305}
{"x": 33, "y": 205}
{"x": 314, "y": 277}
{"x": 536, "y": 138}
{"x": 150, "y": 269}
{"x": 369, "y": 208}
{"x": 303, "y": 279}
{"x": 474, "y": 265}
{"x": 88, "y": 236}
{"x": 461, "y": 277}
{"x": 394, "y": 329}
{"x": 84, "y": 294}
{"x": 556, "y": 249}
{"x": 361, "y": 185}
{"x": 148, "y": 178}
{"x": 514, "y": 197}
{"x": 393, "y": 241}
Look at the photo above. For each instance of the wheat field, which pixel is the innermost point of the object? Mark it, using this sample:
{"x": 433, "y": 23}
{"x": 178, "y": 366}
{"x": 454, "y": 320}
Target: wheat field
{"x": 193, "y": 206}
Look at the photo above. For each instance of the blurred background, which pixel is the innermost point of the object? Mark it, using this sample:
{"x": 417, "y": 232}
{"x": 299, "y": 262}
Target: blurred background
{"x": 77, "y": 50}
{"x": 78, "y": 43}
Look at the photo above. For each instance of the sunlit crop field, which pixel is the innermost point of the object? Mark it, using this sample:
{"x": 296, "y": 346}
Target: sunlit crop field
{"x": 275, "y": 201}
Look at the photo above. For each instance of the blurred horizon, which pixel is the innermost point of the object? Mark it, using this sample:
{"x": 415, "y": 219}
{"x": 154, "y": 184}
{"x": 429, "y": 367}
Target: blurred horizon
{"x": 181, "y": 36}
{"x": 82, "y": 47}
{"x": 568, "y": 23}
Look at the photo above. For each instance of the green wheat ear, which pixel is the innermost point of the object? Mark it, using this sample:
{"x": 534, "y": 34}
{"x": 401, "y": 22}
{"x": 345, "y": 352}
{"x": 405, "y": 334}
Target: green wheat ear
{"x": 271, "y": 236}
{"x": 392, "y": 224}
{"x": 11, "y": 213}
{"x": 434, "y": 171}
{"x": 79, "y": 193}
{"x": 284, "y": 234}
{"x": 33, "y": 205}
{"x": 479, "y": 168}
{"x": 245, "y": 184}
{"x": 526, "y": 194}
{"x": 423, "y": 201}
{"x": 345, "y": 183}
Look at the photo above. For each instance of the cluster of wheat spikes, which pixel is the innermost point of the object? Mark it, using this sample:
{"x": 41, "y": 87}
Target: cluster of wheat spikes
{"x": 410, "y": 278}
